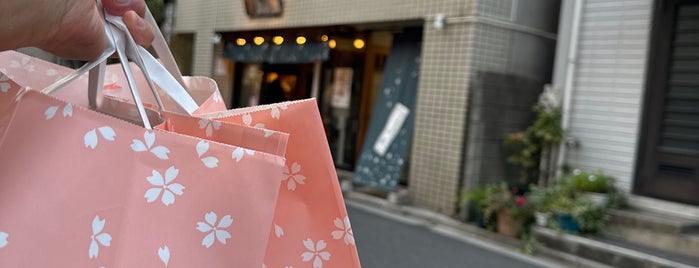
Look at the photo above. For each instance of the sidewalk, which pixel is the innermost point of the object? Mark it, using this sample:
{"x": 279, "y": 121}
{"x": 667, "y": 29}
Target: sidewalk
{"x": 564, "y": 250}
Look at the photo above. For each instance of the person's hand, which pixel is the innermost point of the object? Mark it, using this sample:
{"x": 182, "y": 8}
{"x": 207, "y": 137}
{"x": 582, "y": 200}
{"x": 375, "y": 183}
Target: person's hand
{"x": 71, "y": 29}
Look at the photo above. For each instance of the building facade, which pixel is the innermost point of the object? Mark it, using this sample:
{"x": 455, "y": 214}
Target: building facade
{"x": 482, "y": 65}
{"x": 629, "y": 69}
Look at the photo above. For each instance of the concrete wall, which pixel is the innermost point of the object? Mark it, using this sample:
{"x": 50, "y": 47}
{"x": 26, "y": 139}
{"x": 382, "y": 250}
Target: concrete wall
{"x": 509, "y": 69}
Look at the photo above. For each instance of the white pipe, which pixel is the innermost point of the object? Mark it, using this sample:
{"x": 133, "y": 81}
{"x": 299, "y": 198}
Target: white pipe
{"x": 569, "y": 78}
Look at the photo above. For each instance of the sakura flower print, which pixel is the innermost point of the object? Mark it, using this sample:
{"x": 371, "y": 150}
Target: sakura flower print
{"x": 79, "y": 188}
{"x": 311, "y": 227}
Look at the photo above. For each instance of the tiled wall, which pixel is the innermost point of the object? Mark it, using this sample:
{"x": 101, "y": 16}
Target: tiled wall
{"x": 205, "y": 17}
{"x": 436, "y": 158}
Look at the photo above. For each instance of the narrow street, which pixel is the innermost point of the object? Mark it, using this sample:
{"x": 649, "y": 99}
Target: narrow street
{"x": 388, "y": 240}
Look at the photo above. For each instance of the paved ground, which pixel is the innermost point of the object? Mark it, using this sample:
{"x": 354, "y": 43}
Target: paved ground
{"x": 386, "y": 240}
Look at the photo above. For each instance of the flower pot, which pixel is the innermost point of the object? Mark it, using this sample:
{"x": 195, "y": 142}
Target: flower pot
{"x": 566, "y": 222}
{"x": 542, "y": 218}
{"x": 599, "y": 199}
{"x": 507, "y": 225}
{"x": 479, "y": 218}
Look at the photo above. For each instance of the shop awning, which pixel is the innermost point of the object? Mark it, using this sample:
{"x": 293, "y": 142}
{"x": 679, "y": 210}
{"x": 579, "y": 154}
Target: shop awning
{"x": 278, "y": 54}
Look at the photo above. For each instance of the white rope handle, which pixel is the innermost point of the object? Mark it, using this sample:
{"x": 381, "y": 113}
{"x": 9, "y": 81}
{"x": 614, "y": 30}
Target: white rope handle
{"x": 122, "y": 42}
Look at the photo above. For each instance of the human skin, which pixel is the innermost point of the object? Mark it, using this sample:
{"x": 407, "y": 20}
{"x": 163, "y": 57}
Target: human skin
{"x": 71, "y": 29}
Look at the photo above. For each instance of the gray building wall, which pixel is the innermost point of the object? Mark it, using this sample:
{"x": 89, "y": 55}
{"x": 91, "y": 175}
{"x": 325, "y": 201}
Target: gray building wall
{"x": 509, "y": 70}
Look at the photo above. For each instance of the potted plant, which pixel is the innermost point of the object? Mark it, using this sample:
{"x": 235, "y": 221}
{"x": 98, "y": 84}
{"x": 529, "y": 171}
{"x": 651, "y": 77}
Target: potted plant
{"x": 511, "y": 210}
{"x": 540, "y": 200}
{"x": 596, "y": 186}
{"x": 474, "y": 201}
{"x": 590, "y": 216}
{"x": 574, "y": 212}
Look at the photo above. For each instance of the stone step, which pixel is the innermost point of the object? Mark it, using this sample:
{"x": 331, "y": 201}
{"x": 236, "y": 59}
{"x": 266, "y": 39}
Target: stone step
{"x": 604, "y": 252}
{"x": 650, "y": 229}
{"x": 654, "y": 222}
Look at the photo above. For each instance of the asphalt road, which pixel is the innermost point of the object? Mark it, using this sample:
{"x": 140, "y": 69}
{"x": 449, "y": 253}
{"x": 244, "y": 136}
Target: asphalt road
{"x": 385, "y": 240}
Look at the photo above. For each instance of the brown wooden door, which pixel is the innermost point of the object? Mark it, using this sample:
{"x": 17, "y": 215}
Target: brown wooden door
{"x": 669, "y": 146}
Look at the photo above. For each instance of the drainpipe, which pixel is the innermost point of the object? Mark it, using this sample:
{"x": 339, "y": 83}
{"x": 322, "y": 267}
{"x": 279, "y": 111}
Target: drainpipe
{"x": 569, "y": 78}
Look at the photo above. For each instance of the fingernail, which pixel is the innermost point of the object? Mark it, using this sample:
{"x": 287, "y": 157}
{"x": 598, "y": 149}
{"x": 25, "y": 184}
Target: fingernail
{"x": 123, "y": 2}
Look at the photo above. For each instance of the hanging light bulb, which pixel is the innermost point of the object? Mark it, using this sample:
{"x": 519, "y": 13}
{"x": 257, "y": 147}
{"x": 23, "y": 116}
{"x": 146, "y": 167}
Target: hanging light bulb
{"x": 332, "y": 43}
{"x": 358, "y": 43}
{"x": 278, "y": 40}
{"x": 240, "y": 41}
{"x": 258, "y": 40}
{"x": 324, "y": 38}
{"x": 300, "y": 40}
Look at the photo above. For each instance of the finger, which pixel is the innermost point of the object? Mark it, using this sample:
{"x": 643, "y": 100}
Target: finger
{"x": 140, "y": 30}
{"x": 86, "y": 44}
{"x": 120, "y": 7}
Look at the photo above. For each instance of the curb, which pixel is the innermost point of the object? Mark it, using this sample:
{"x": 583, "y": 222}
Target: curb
{"x": 599, "y": 251}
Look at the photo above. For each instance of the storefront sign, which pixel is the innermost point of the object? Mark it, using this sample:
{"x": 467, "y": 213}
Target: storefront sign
{"x": 394, "y": 124}
{"x": 264, "y": 8}
{"x": 385, "y": 150}
{"x": 342, "y": 88}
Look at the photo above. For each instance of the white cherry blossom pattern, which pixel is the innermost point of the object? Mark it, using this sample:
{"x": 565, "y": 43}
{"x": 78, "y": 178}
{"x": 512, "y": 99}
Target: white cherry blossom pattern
{"x": 147, "y": 145}
{"x": 247, "y": 120}
{"x": 315, "y": 252}
{"x": 238, "y": 153}
{"x": 209, "y": 126}
{"x": 3, "y": 239}
{"x": 91, "y": 139}
{"x": 344, "y": 232}
{"x": 53, "y": 73}
{"x": 215, "y": 230}
{"x": 51, "y": 111}
{"x": 23, "y": 63}
{"x": 275, "y": 110}
{"x": 293, "y": 177}
{"x": 164, "y": 254}
{"x": 278, "y": 231}
{"x": 209, "y": 161}
{"x": 4, "y": 83}
{"x": 98, "y": 237}
{"x": 164, "y": 186}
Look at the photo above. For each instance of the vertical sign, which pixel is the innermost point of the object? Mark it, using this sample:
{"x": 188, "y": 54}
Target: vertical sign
{"x": 385, "y": 150}
{"x": 342, "y": 88}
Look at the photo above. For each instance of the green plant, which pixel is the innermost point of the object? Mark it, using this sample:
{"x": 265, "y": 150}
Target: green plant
{"x": 567, "y": 199}
{"x": 476, "y": 196}
{"x": 591, "y": 182}
{"x": 502, "y": 197}
{"x": 530, "y": 244}
{"x": 540, "y": 198}
{"x": 526, "y": 146}
{"x": 590, "y": 217}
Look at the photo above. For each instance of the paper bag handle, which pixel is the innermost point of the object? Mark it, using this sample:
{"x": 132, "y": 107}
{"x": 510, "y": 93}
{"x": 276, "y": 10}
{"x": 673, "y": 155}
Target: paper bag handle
{"x": 122, "y": 42}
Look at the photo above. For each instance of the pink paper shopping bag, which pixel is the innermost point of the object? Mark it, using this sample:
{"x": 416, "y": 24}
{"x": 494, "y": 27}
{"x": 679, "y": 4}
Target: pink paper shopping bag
{"x": 311, "y": 227}
{"x": 82, "y": 189}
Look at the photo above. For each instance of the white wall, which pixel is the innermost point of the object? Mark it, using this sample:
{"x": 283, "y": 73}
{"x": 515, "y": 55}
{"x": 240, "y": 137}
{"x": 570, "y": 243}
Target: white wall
{"x": 609, "y": 87}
